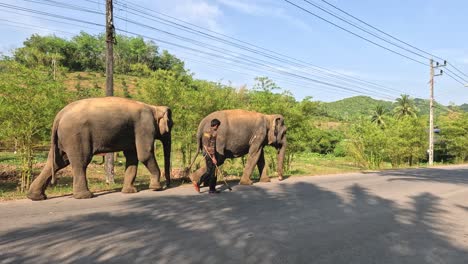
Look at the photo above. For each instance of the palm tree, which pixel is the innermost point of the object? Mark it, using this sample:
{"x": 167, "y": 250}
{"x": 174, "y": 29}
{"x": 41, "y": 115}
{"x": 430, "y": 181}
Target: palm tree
{"x": 378, "y": 115}
{"x": 405, "y": 107}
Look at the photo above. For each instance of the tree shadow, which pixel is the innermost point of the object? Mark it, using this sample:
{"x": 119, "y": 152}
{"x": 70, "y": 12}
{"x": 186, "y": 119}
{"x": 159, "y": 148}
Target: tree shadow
{"x": 458, "y": 175}
{"x": 295, "y": 223}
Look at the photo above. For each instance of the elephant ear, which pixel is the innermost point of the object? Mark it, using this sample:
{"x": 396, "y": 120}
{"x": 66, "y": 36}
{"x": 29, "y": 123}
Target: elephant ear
{"x": 164, "y": 119}
{"x": 274, "y": 134}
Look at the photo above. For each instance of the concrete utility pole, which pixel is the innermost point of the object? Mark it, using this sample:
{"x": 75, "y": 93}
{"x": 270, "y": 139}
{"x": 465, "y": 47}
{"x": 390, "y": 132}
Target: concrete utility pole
{"x": 431, "y": 110}
{"x": 110, "y": 38}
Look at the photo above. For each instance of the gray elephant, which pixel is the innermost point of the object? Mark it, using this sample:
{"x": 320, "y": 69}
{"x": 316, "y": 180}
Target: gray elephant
{"x": 100, "y": 125}
{"x": 244, "y": 132}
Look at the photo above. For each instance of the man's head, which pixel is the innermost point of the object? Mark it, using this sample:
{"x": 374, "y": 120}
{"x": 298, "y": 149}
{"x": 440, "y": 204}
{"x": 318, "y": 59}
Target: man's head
{"x": 215, "y": 123}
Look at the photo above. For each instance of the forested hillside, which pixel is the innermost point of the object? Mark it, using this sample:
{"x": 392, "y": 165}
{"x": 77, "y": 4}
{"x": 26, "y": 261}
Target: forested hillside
{"x": 353, "y": 108}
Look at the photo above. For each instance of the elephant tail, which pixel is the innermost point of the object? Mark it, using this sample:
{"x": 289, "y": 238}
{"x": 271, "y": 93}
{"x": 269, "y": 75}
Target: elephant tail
{"x": 53, "y": 148}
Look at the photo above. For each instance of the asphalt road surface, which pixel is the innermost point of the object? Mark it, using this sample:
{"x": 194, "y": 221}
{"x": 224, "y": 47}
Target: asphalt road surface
{"x": 404, "y": 216}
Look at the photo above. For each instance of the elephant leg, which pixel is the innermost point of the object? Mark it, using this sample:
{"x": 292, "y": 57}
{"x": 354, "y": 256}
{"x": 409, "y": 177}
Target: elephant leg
{"x": 131, "y": 166}
{"x": 38, "y": 186}
{"x": 79, "y": 162}
{"x": 80, "y": 184}
{"x": 195, "y": 177}
{"x": 145, "y": 154}
{"x": 254, "y": 155}
{"x": 262, "y": 170}
{"x": 153, "y": 168}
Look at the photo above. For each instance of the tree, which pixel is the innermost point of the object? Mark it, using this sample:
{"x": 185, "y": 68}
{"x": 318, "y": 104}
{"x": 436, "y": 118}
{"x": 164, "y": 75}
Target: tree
{"x": 366, "y": 143}
{"x": 379, "y": 115}
{"x": 89, "y": 53}
{"x": 405, "y": 107}
{"x": 407, "y": 142}
{"x": 42, "y": 50}
{"x": 29, "y": 100}
{"x": 454, "y": 135}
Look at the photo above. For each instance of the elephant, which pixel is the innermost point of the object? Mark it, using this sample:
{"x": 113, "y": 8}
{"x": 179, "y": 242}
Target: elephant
{"x": 245, "y": 132}
{"x": 101, "y": 125}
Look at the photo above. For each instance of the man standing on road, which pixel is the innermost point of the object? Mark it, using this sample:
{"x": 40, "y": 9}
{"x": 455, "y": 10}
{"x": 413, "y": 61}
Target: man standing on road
{"x": 209, "y": 152}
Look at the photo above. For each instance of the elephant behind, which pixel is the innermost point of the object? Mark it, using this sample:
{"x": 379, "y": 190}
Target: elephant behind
{"x": 101, "y": 125}
{"x": 245, "y": 132}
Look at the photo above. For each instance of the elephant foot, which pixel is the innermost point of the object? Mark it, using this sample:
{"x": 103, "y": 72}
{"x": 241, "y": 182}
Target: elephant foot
{"x": 280, "y": 178}
{"x": 129, "y": 189}
{"x": 36, "y": 196}
{"x": 265, "y": 179}
{"x": 246, "y": 182}
{"x": 155, "y": 186}
{"x": 83, "y": 195}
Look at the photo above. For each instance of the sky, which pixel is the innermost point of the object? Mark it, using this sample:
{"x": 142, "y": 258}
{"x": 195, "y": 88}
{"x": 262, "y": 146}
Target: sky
{"x": 433, "y": 26}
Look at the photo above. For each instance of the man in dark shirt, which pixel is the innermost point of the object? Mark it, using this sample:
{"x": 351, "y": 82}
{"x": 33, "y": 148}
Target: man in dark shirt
{"x": 209, "y": 152}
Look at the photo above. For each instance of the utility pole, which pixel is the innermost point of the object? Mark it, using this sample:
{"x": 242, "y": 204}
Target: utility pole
{"x": 110, "y": 38}
{"x": 431, "y": 109}
{"x": 54, "y": 64}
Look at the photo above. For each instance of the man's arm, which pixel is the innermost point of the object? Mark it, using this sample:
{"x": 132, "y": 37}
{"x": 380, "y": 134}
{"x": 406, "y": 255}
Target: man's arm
{"x": 212, "y": 156}
{"x": 205, "y": 143}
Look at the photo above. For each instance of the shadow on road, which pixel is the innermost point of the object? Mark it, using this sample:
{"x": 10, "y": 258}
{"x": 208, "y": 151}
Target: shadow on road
{"x": 457, "y": 176}
{"x": 299, "y": 223}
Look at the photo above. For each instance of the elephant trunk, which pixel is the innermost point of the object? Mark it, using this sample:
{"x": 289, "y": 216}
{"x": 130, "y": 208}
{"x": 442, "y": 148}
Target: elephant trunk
{"x": 281, "y": 154}
{"x": 166, "y": 141}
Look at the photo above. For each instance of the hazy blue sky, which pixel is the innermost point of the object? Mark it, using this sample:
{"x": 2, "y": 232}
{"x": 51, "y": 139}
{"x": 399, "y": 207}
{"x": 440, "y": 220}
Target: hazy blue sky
{"x": 438, "y": 27}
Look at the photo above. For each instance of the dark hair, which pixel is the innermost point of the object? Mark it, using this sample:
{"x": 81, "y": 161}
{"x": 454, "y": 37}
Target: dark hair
{"x": 215, "y": 122}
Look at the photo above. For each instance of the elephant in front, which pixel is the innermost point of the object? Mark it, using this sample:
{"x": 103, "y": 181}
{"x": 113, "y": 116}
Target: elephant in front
{"x": 101, "y": 125}
{"x": 244, "y": 132}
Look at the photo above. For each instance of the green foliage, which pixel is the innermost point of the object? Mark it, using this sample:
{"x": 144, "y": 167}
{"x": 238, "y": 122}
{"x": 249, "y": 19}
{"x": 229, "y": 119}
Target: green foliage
{"x": 366, "y": 144}
{"x": 464, "y": 107}
{"x": 453, "y": 139}
{"x": 29, "y": 100}
{"x": 86, "y": 52}
{"x": 353, "y": 108}
{"x": 125, "y": 89}
{"x": 407, "y": 141}
{"x": 404, "y": 106}
{"x": 379, "y": 115}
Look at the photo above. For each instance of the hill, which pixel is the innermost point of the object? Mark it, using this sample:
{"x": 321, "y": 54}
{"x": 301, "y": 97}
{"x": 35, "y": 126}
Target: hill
{"x": 464, "y": 107}
{"x": 353, "y": 108}
{"x": 423, "y": 107}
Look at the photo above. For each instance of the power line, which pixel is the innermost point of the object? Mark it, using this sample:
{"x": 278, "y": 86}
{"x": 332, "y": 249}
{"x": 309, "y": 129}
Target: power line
{"x": 24, "y": 25}
{"x": 363, "y": 29}
{"x": 455, "y": 79}
{"x": 355, "y": 34}
{"x": 257, "y": 70}
{"x": 255, "y": 63}
{"x": 288, "y": 60}
{"x": 375, "y": 28}
{"x": 457, "y": 69}
{"x": 74, "y": 7}
{"x": 211, "y": 54}
{"x": 194, "y": 31}
{"x": 47, "y": 19}
{"x": 48, "y": 14}
{"x": 211, "y": 47}
{"x": 369, "y": 25}
{"x": 263, "y": 65}
{"x": 462, "y": 79}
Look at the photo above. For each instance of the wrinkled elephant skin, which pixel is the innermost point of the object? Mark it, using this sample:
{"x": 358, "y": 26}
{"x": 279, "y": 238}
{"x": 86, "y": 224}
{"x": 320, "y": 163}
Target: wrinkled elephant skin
{"x": 101, "y": 125}
{"x": 244, "y": 132}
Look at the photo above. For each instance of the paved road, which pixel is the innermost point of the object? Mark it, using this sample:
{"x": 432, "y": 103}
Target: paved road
{"x": 406, "y": 216}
